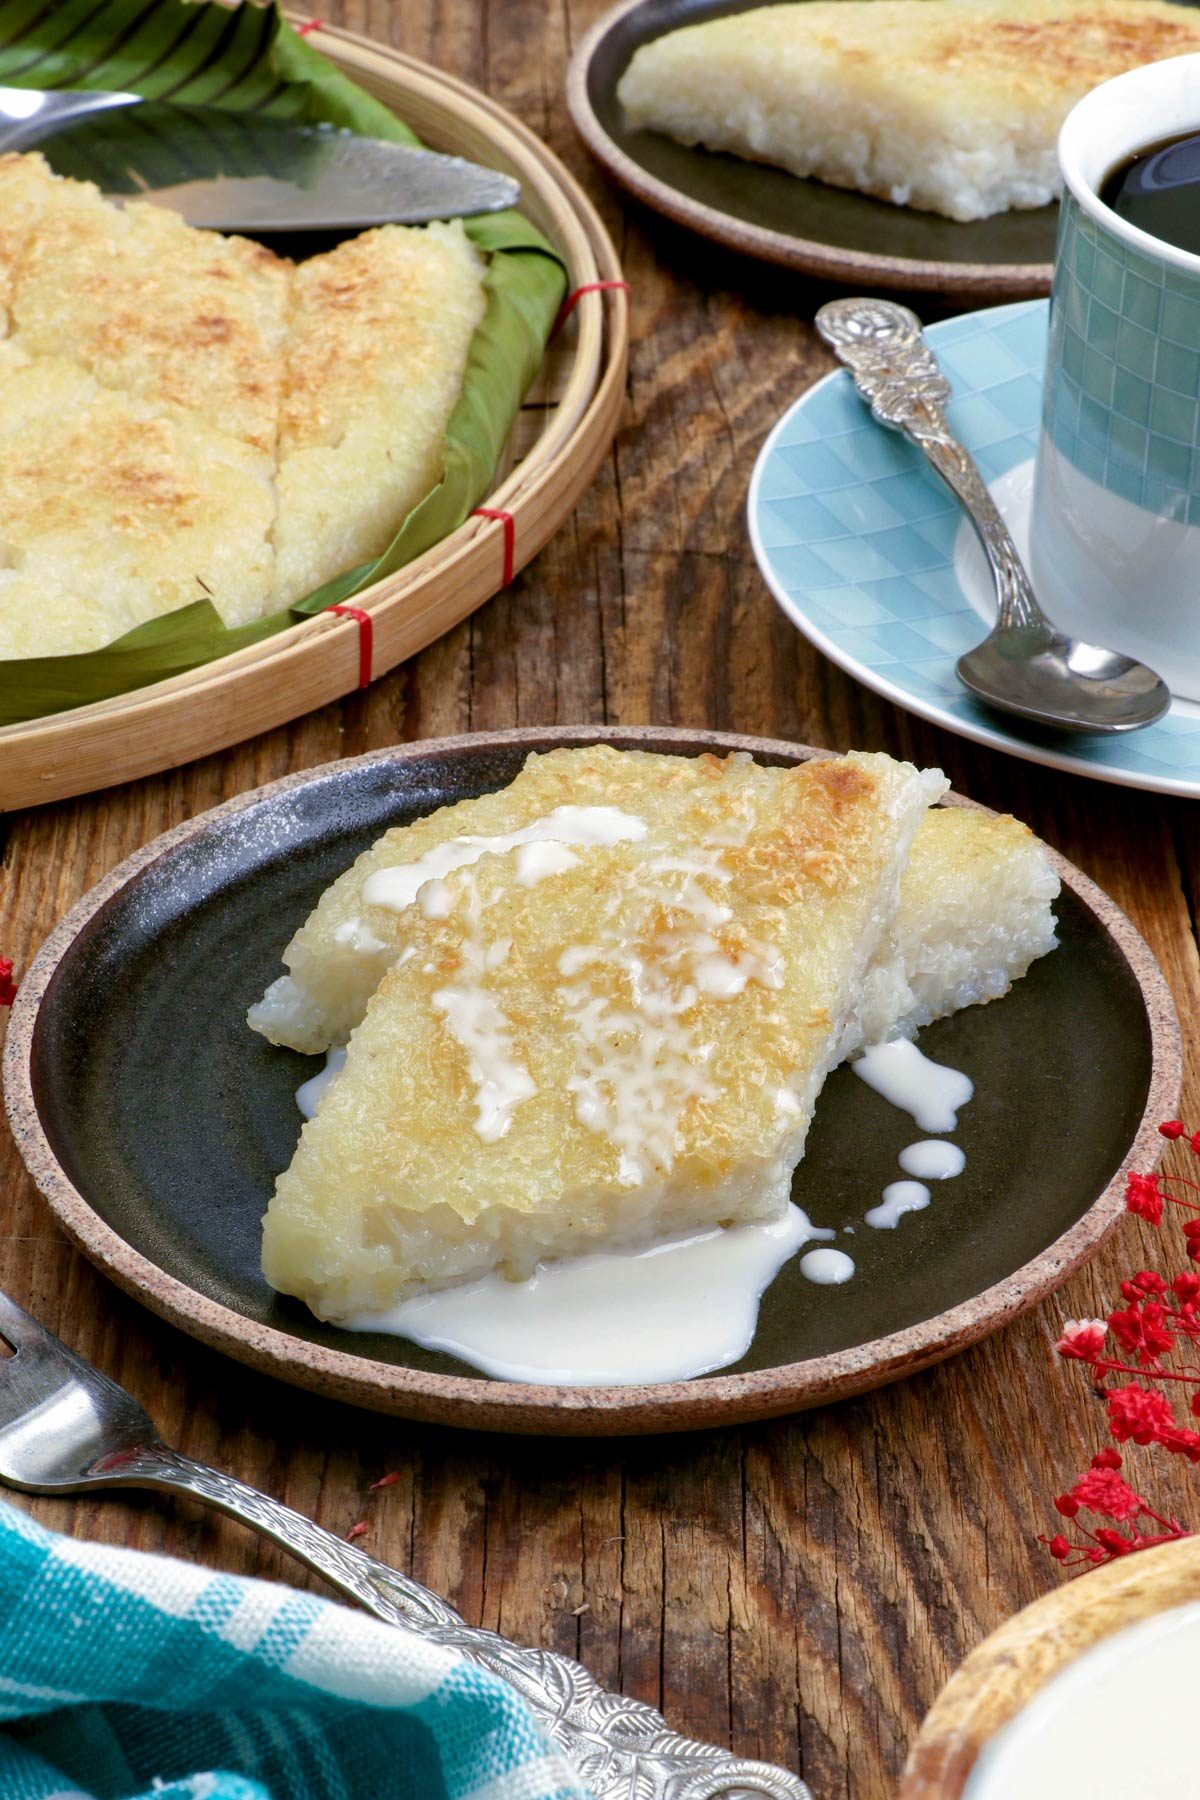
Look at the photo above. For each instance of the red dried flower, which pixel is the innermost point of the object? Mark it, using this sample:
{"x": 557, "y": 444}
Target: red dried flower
{"x": 1143, "y": 1198}
{"x": 1139, "y": 1413}
{"x": 1142, "y": 1330}
{"x": 1104, "y": 1491}
{"x": 1082, "y": 1340}
{"x": 8, "y": 987}
{"x": 1159, "y": 1320}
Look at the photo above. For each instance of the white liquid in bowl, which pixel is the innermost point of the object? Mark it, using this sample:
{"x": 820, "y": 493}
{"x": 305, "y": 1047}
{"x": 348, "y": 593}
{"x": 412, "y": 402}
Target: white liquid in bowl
{"x": 1118, "y": 1723}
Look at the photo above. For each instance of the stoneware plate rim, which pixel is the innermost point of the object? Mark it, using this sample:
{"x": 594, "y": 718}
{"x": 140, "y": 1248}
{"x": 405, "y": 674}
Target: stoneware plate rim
{"x": 511, "y": 1406}
{"x": 813, "y": 256}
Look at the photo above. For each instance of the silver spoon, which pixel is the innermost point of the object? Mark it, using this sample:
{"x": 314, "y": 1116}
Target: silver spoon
{"x": 67, "y": 1429}
{"x": 1025, "y": 666}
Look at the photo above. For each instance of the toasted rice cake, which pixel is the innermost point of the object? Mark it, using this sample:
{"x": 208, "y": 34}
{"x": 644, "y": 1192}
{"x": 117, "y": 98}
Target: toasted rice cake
{"x": 974, "y": 902}
{"x": 975, "y": 912}
{"x": 345, "y": 947}
{"x": 157, "y": 511}
{"x": 953, "y": 106}
{"x": 377, "y": 345}
{"x": 605, "y": 1047}
{"x": 26, "y": 186}
{"x": 220, "y": 423}
{"x": 189, "y": 321}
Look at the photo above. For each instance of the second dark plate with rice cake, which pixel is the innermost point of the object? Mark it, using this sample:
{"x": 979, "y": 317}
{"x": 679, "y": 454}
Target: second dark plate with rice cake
{"x": 907, "y": 109}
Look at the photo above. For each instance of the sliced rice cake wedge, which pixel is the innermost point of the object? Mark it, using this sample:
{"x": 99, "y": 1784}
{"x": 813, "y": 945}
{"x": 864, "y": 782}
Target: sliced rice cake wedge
{"x": 358, "y": 927}
{"x": 376, "y": 353}
{"x": 975, "y": 902}
{"x": 628, "y": 1047}
{"x": 158, "y": 512}
{"x": 953, "y": 106}
{"x": 25, "y": 189}
{"x": 190, "y": 322}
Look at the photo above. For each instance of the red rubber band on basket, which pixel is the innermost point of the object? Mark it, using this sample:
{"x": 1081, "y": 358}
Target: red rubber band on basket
{"x": 8, "y": 987}
{"x": 510, "y": 537}
{"x": 572, "y": 300}
{"x": 366, "y": 639}
{"x": 310, "y": 25}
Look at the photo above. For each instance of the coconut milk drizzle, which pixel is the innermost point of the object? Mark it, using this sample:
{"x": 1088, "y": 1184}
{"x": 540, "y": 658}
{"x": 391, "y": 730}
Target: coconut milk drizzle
{"x": 930, "y": 1091}
{"x": 613, "y": 1318}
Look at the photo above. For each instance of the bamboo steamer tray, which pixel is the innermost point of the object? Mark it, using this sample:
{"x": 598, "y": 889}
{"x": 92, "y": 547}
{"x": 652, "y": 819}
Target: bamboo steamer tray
{"x": 558, "y": 442}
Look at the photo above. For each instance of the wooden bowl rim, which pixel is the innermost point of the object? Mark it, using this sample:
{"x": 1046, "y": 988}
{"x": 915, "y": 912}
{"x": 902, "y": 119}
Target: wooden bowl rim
{"x": 585, "y": 411}
{"x": 513, "y": 1406}
{"x": 999, "y": 1678}
{"x": 809, "y": 256}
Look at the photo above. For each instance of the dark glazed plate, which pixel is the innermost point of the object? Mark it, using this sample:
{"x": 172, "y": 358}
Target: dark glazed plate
{"x": 155, "y": 1122}
{"x": 807, "y": 225}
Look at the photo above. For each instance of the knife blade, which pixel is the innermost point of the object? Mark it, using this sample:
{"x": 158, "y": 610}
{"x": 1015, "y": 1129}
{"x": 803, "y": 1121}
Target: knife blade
{"x": 247, "y": 172}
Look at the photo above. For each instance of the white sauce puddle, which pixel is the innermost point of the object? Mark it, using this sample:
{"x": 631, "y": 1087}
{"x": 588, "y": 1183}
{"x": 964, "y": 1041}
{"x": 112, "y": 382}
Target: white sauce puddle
{"x": 578, "y": 825}
{"x": 899, "y": 1197}
{"x": 828, "y": 1268}
{"x": 678, "y": 1309}
{"x": 930, "y": 1091}
{"x": 933, "y": 1160}
{"x": 308, "y": 1094}
{"x": 1112, "y": 1723}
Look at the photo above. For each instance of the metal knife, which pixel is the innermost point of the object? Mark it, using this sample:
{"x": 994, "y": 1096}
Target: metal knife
{"x": 244, "y": 171}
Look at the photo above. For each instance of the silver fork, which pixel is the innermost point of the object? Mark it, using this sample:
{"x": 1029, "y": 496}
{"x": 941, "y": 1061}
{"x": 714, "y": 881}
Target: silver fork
{"x": 65, "y": 1429}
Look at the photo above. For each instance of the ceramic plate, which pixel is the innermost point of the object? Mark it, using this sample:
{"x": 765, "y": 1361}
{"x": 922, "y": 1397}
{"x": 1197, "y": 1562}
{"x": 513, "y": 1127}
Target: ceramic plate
{"x": 870, "y": 555}
{"x": 155, "y": 1122}
{"x": 826, "y": 231}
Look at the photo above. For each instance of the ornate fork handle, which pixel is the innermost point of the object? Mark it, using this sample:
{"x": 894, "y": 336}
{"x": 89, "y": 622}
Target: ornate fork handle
{"x": 896, "y": 372}
{"x": 621, "y": 1748}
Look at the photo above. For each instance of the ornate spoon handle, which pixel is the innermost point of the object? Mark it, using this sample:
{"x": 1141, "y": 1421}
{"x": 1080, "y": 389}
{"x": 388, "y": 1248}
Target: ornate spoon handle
{"x": 897, "y": 373}
{"x": 621, "y": 1748}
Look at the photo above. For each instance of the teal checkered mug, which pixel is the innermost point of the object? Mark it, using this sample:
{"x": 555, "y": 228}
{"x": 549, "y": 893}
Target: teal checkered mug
{"x": 1115, "y": 530}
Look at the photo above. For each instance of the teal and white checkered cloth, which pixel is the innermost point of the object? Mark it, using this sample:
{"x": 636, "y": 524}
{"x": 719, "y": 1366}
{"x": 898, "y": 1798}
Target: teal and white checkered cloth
{"x": 123, "y": 1675}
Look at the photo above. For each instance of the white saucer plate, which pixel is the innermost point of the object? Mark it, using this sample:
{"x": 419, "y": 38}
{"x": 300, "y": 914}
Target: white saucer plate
{"x": 872, "y": 558}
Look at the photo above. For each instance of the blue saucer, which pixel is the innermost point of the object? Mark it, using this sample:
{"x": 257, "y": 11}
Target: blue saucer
{"x": 868, "y": 553}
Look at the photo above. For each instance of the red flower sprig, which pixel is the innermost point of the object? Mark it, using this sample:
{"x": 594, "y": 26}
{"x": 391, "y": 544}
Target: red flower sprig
{"x": 1103, "y": 1492}
{"x": 1154, "y": 1336}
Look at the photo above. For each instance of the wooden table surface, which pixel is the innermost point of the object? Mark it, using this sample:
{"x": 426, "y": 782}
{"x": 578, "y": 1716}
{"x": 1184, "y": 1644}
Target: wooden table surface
{"x": 799, "y": 1589}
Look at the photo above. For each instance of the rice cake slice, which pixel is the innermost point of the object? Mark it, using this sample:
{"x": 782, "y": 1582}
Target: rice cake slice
{"x": 630, "y": 1046}
{"x": 189, "y": 321}
{"x": 953, "y": 106}
{"x": 25, "y": 189}
{"x": 157, "y": 513}
{"x": 975, "y": 902}
{"x": 349, "y": 941}
{"x": 976, "y": 911}
{"x": 377, "y": 347}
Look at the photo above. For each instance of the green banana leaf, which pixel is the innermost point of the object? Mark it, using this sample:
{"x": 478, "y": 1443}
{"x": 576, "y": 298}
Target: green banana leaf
{"x": 250, "y": 59}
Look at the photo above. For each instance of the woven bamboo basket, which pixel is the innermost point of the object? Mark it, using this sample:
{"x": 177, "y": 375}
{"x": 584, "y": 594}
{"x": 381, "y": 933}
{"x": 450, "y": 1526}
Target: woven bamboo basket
{"x": 557, "y": 444}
